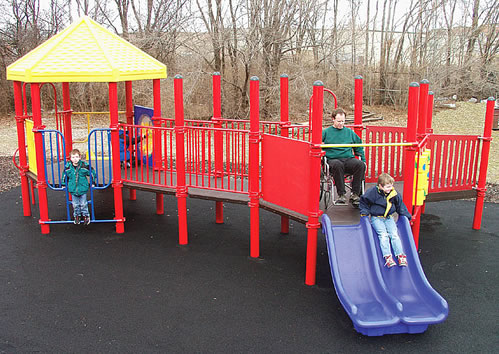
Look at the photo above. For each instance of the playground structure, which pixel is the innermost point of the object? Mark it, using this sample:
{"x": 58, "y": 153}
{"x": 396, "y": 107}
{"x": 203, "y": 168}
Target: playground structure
{"x": 270, "y": 165}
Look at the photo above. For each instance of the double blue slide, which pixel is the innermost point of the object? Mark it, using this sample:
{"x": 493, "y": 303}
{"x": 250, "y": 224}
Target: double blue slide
{"x": 380, "y": 300}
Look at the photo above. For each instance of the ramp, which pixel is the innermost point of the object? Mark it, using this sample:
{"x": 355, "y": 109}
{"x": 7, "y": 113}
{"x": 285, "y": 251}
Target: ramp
{"x": 380, "y": 300}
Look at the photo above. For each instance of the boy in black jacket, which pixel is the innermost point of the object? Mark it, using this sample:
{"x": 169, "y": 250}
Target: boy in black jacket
{"x": 381, "y": 202}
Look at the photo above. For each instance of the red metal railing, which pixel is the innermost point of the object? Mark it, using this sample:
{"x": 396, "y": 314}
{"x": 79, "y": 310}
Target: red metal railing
{"x": 200, "y": 159}
{"x": 454, "y": 162}
{"x": 387, "y": 159}
{"x": 138, "y": 155}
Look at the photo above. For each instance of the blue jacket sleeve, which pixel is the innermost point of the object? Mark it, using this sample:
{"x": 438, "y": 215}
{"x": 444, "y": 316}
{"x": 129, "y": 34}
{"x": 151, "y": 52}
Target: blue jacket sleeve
{"x": 365, "y": 204}
{"x": 401, "y": 208}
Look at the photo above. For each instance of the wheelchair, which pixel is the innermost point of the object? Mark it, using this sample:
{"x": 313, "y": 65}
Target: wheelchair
{"x": 328, "y": 192}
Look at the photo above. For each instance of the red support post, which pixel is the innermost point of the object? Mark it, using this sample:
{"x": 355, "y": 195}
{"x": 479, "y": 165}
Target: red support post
{"x": 157, "y": 155}
{"x": 21, "y": 141}
{"x": 482, "y": 177}
{"x": 284, "y": 132}
{"x": 68, "y": 132}
{"x": 358, "y": 105}
{"x": 254, "y": 167}
{"x": 314, "y": 184}
{"x": 117, "y": 183}
{"x": 41, "y": 179}
{"x": 429, "y": 113}
{"x": 129, "y": 120}
{"x": 217, "y": 115}
{"x": 180, "y": 160}
{"x": 423, "y": 108}
{"x": 410, "y": 153}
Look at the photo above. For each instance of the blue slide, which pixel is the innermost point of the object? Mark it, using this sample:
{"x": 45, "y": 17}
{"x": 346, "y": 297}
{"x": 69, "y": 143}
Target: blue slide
{"x": 380, "y": 300}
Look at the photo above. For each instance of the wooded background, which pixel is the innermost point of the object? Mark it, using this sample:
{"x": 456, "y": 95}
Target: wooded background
{"x": 452, "y": 43}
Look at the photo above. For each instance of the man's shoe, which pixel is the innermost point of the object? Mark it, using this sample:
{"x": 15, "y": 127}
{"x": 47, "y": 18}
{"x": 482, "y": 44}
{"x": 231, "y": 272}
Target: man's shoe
{"x": 402, "y": 260}
{"x": 355, "y": 200}
{"x": 342, "y": 199}
{"x": 86, "y": 220}
{"x": 389, "y": 262}
{"x": 77, "y": 220}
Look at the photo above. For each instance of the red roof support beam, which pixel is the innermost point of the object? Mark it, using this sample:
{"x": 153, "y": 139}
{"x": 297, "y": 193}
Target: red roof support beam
{"x": 21, "y": 141}
{"x": 117, "y": 183}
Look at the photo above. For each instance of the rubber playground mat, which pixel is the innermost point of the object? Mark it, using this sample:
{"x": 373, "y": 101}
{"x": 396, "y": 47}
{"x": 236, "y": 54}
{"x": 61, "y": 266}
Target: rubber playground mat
{"x": 87, "y": 289}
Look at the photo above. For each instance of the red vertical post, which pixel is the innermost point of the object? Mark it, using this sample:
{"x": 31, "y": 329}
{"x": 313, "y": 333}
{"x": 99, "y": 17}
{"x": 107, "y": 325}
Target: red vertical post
{"x": 314, "y": 183}
{"x": 423, "y": 110}
{"x": 284, "y": 132}
{"x": 217, "y": 116}
{"x": 157, "y": 155}
{"x": 41, "y": 179}
{"x": 410, "y": 153}
{"x": 180, "y": 160}
{"x": 254, "y": 167}
{"x": 482, "y": 177}
{"x": 68, "y": 132}
{"x": 358, "y": 105}
{"x": 21, "y": 141}
{"x": 129, "y": 119}
{"x": 117, "y": 183}
{"x": 429, "y": 113}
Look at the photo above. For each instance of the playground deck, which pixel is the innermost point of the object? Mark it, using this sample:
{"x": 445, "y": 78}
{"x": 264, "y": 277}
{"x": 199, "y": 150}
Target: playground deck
{"x": 149, "y": 179}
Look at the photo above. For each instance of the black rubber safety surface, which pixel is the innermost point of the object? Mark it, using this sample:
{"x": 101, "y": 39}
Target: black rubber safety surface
{"x": 88, "y": 289}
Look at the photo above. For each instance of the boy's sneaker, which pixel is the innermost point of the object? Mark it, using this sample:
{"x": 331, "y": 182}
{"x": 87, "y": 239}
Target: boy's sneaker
{"x": 389, "y": 262}
{"x": 342, "y": 199}
{"x": 402, "y": 260}
{"x": 86, "y": 221}
{"x": 77, "y": 220}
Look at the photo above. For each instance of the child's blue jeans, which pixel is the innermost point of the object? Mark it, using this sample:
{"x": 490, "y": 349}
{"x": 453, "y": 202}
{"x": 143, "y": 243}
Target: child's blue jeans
{"x": 80, "y": 205}
{"x": 387, "y": 231}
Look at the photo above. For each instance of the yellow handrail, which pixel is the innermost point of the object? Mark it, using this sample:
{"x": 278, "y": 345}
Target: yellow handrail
{"x": 88, "y": 122}
{"x": 325, "y": 146}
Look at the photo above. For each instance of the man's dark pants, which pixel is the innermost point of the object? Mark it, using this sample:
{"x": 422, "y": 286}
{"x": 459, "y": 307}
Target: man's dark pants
{"x": 350, "y": 166}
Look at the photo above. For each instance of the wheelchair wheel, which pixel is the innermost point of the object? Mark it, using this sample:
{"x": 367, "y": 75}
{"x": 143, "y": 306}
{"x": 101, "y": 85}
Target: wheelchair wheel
{"x": 326, "y": 190}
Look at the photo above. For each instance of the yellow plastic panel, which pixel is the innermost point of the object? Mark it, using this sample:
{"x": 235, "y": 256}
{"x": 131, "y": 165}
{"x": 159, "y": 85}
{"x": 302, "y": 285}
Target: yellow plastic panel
{"x": 30, "y": 141}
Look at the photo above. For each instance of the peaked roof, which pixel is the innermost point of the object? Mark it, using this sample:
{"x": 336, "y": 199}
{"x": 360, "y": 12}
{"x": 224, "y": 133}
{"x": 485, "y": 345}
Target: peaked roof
{"x": 85, "y": 52}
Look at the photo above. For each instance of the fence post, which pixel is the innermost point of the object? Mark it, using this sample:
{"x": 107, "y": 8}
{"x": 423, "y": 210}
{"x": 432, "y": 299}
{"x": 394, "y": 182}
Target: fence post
{"x": 482, "y": 177}
{"x": 410, "y": 151}
{"x": 129, "y": 120}
{"x": 284, "y": 131}
{"x": 254, "y": 167}
{"x": 117, "y": 182}
{"x": 218, "y": 136}
{"x": 429, "y": 113}
{"x": 41, "y": 178}
{"x": 180, "y": 160}
{"x": 358, "y": 105}
{"x": 314, "y": 183}
{"x": 21, "y": 141}
{"x": 68, "y": 132}
{"x": 423, "y": 103}
{"x": 157, "y": 155}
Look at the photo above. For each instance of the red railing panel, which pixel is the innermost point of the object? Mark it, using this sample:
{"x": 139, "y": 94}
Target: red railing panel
{"x": 387, "y": 159}
{"x": 285, "y": 184}
{"x": 454, "y": 162}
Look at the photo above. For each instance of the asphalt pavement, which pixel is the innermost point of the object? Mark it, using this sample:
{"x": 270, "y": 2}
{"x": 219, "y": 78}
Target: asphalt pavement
{"x": 87, "y": 289}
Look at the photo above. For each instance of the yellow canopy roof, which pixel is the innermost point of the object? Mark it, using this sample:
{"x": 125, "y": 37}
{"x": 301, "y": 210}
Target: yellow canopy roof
{"x": 85, "y": 52}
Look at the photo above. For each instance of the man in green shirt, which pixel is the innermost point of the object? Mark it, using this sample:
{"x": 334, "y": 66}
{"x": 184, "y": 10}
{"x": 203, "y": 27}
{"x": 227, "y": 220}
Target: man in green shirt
{"x": 342, "y": 159}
